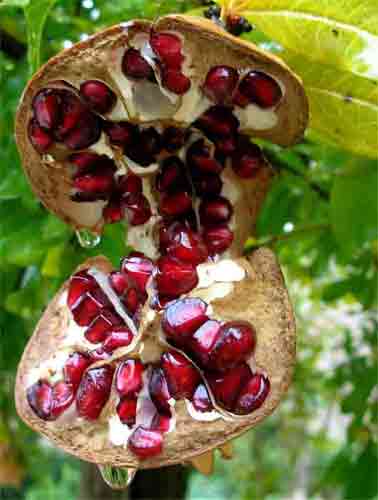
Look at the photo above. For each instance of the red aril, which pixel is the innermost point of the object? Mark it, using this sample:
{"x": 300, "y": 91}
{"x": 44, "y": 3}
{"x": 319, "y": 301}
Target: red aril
{"x": 126, "y": 410}
{"x": 247, "y": 160}
{"x": 94, "y": 391}
{"x": 86, "y": 132}
{"x": 220, "y": 83}
{"x": 216, "y": 210}
{"x": 200, "y": 160}
{"x": 46, "y": 107}
{"x": 137, "y": 208}
{"x": 208, "y": 185}
{"x": 101, "y": 325}
{"x": 182, "y": 318}
{"x": 98, "y": 95}
{"x": 95, "y": 185}
{"x": 260, "y": 89}
{"x": 80, "y": 283}
{"x": 168, "y": 48}
{"x": 130, "y": 183}
{"x": 120, "y": 133}
{"x": 175, "y": 81}
{"x": 182, "y": 376}
{"x": 188, "y": 246}
{"x": 159, "y": 391}
{"x": 226, "y": 387}
{"x": 63, "y": 396}
{"x": 218, "y": 238}
{"x": 173, "y": 138}
{"x": 202, "y": 342}
{"x": 201, "y": 399}
{"x": 120, "y": 336}
{"x": 253, "y": 395}
{"x": 135, "y": 66}
{"x": 218, "y": 120}
{"x": 175, "y": 204}
{"x": 175, "y": 278}
{"x": 40, "y": 139}
{"x": 89, "y": 306}
{"x": 74, "y": 368}
{"x": 145, "y": 443}
{"x": 139, "y": 268}
{"x": 113, "y": 212}
{"x": 40, "y": 399}
{"x": 129, "y": 378}
{"x": 119, "y": 282}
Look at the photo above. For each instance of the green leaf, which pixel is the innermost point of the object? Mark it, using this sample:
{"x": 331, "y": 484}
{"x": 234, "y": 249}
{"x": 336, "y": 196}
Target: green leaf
{"x": 341, "y": 33}
{"x": 14, "y": 3}
{"x": 354, "y": 203}
{"x": 364, "y": 472}
{"x": 36, "y": 13}
{"x": 343, "y": 106}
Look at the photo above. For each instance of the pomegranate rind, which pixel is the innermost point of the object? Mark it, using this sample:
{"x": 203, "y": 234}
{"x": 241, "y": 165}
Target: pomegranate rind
{"x": 207, "y": 45}
{"x": 261, "y": 298}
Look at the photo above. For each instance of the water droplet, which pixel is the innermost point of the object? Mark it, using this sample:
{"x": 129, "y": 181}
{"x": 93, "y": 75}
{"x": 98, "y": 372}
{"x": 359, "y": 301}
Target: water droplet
{"x": 87, "y": 239}
{"x": 117, "y": 478}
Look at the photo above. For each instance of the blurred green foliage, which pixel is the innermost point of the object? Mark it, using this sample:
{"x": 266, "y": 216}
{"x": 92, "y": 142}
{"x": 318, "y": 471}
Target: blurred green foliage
{"x": 320, "y": 217}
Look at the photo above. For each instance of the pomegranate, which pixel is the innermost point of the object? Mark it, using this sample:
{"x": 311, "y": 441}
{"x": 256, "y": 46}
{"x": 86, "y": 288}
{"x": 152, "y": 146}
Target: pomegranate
{"x": 187, "y": 343}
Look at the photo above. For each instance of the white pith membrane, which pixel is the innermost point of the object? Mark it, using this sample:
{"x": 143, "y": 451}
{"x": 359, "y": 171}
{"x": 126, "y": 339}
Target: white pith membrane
{"x": 146, "y": 104}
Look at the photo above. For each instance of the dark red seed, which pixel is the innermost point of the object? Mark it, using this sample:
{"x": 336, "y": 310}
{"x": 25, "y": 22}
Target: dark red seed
{"x": 175, "y": 204}
{"x": 73, "y": 112}
{"x": 173, "y": 139}
{"x": 226, "y": 387}
{"x": 182, "y": 318}
{"x": 175, "y": 81}
{"x": 137, "y": 208}
{"x": 239, "y": 99}
{"x": 225, "y": 145}
{"x": 94, "y": 186}
{"x": 218, "y": 120}
{"x": 220, "y": 83}
{"x": 146, "y": 145}
{"x": 126, "y": 410}
{"x": 89, "y": 306}
{"x": 167, "y": 233}
{"x": 85, "y": 161}
{"x": 216, "y": 210}
{"x": 202, "y": 343}
{"x": 119, "y": 337}
{"x": 129, "y": 378}
{"x": 161, "y": 423}
{"x": 139, "y": 268}
{"x": 98, "y": 95}
{"x": 208, "y": 185}
{"x": 159, "y": 391}
{"x": 94, "y": 392}
{"x": 63, "y": 396}
{"x": 175, "y": 278}
{"x": 171, "y": 176}
{"x": 182, "y": 376}
{"x": 130, "y": 183}
{"x": 135, "y": 66}
{"x": 86, "y": 132}
{"x": 119, "y": 282}
{"x": 200, "y": 159}
{"x": 201, "y": 399}
{"x": 39, "y": 138}
{"x": 188, "y": 246}
{"x": 133, "y": 299}
{"x": 46, "y": 107}
{"x": 145, "y": 443}
{"x": 235, "y": 343}
{"x": 101, "y": 325}
{"x": 168, "y": 48}
{"x": 40, "y": 399}
{"x": 98, "y": 354}
{"x": 253, "y": 395}
{"x": 120, "y": 133}
{"x": 80, "y": 283}
{"x": 247, "y": 160}
{"x": 113, "y": 212}
{"x": 218, "y": 239}
{"x": 260, "y": 89}
{"x": 74, "y": 368}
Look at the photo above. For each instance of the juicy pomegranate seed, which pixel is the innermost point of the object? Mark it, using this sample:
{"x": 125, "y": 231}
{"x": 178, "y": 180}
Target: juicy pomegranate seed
{"x": 98, "y": 354}
{"x": 146, "y": 145}
{"x": 119, "y": 337}
{"x": 225, "y": 145}
{"x": 182, "y": 377}
{"x": 173, "y": 139}
{"x": 39, "y": 137}
{"x": 218, "y": 120}
{"x": 175, "y": 278}
{"x": 135, "y": 66}
{"x": 133, "y": 299}
{"x": 220, "y": 83}
{"x": 98, "y": 95}
{"x": 218, "y": 239}
{"x": 126, "y": 410}
{"x": 201, "y": 399}
{"x": 145, "y": 443}
{"x": 175, "y": 204}
{"x": 113, "y": 211}
{"x": 80, "y": 283}
{"x": 137, "y": 208}
{"x": 89, "y": 306}
{"x": 202, "y": 342}
{"x": 159, "y": 391}
{"x": 199, "y": 158}
{"x": 226, "y": 387}
{"x": 260, "y": 89}
{"x": 101, "y": 325}
{"x": 63, "y": 396}
{"x": 84, "y": 161}
{"x": 171, "y": 176}
{"x": 235, "y": 343}
{"x": 94, "y": 186}
{"x": 253, "y": 395}
{"x": 208, "y": 185}
{"x": 168, "y": 47}
{"x": 139, "y": 269}
{"x": 129, "y": 378}
{"x": 86, "y": 133}
{"x": 247, "y": 160}
{"x": 74, "y": 368}
{"x": 93, "y": 392}
{"x": 130, "y": 183}
{"x": 120, "y": 133}
{"x": 40, "y": 399}
{"x": 217, "y": 210}
{"x": 119, "y": 282}
{"x": 161, "y": 423}
{"x": 72, "y": 111}
{"x": 187, "y": 246}
{"x": 46, "y": 107}
{"x": 182, "y": 318}
{"x": 175, "y": 81}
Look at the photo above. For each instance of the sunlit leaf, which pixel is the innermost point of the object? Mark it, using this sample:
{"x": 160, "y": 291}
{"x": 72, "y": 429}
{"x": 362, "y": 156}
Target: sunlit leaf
{"x": 14, "y": 3}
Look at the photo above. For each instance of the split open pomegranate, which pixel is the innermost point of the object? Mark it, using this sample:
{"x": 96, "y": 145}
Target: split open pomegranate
{"x": 187, "y": 344}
